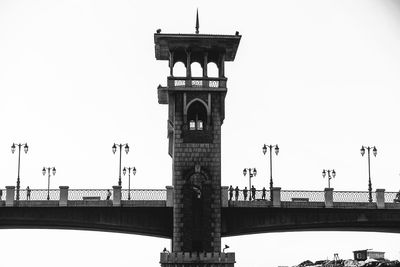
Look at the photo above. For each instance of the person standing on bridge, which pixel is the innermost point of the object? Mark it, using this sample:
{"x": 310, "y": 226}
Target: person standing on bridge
{"x": 253, "y": 192}
{"x": 245, "y": 193}
{"x": 28, "y": 193}
{"x": 236, "y": 193}
{"x": 263, "y": 193}
{"x": 108, "y": 194}
{"x": 230, "y": 193}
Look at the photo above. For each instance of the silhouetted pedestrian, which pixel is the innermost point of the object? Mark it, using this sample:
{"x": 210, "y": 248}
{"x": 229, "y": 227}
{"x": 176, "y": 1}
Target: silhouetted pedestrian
{"x": 230, "y": 193}
{"x": 253, "y": 192}
{"x": 108, "y": 194}
{"x": 263, "y": 193}
{"x": 236, "y": 193}
{"x": 245, "y": 193}
{"x": 28, "y": 193}
{"x": 397, "y": 198}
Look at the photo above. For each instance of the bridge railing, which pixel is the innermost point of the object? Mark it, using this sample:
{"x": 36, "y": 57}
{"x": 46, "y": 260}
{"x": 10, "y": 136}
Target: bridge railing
{"x": 39, "y": 194}
{"x": 144, "y": 194}
{"x": 390, "y": 197}
{"x": 353, "y": 196}
{"x": 311, "y": 196}
{"x": 81, "y": 194}
{"x": 317, "y": 196}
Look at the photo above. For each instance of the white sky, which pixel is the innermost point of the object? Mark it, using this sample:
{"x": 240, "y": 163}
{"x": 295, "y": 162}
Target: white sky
{"x": 319, "y": 78}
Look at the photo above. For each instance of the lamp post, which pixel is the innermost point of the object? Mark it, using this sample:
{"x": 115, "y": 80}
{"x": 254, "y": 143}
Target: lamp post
{"x": 114, "y": 149}
{"x": 324, "y": 172}
{"x": 252, "y": 173}
{"x": 129, "y": 175}
{"x": 265, "y": 149}
{"x": 19, "y": 161}
{"x": 374, "y": 151}
{"x": 49, "y": 171}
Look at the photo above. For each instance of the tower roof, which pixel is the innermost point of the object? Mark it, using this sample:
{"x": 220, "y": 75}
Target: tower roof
{"x": 166, "y": 42}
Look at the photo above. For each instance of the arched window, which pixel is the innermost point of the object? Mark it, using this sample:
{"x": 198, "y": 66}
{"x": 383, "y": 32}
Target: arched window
{"x": 179, "y": 69}
{"x": 212, "y": 69}
{"x": 197, "y": 116}
{"x": 197, "y": 70}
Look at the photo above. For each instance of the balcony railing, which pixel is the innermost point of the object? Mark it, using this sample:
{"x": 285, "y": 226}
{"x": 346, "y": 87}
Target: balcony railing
{"x": 196, "y": 82}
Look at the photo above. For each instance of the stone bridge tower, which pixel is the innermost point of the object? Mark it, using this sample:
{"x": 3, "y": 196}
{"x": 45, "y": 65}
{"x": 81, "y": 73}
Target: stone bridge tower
{"x": 196, "y": 111}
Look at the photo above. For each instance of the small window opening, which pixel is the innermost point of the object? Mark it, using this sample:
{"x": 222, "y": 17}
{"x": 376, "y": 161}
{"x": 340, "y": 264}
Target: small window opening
{"x": 197, "y": 116}
{"x": 192, "y": 125}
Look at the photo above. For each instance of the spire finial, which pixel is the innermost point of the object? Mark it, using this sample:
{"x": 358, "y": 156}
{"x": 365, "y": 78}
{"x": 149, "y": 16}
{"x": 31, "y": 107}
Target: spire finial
{"x": 197, "y": 21}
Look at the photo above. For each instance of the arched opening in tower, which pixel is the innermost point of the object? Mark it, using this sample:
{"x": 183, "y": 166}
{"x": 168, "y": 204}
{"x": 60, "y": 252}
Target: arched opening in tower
{"x": 212, "y": 70}
{"x": 197, "y": 116}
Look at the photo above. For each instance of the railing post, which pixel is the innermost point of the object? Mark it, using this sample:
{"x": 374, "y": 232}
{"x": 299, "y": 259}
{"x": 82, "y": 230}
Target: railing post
{"x": 10, "y": 191}
{"x": 224, "y": 196}
{"x": 328, "y": 197}
{"x": 380, "y": 198}
{"x": 63, "y": 196}
{"x": 276, "y": 196}
{"x": 170, "y": 196}
{"x": 116, "y": 195}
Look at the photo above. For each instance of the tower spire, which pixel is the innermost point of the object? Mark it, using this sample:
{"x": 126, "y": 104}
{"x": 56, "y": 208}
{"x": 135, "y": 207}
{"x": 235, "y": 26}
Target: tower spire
{"x": 197, "y": 21}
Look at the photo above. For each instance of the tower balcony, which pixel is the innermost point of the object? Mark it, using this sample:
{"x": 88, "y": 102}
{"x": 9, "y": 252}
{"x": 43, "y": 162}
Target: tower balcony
{"x": 197, "y": 83}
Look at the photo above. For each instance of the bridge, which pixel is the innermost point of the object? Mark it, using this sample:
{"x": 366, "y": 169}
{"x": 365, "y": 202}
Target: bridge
{"x": 150, "y": 211}
{"x": 196, "y": 212}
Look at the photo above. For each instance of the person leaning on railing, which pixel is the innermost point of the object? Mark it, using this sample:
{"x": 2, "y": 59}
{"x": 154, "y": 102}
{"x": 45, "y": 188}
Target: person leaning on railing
{"x": 236, "y": 193}
{"x": 397, "y": 198}
{"x": 28, "y": 193}
{"x": 245, "y": 193}
{"x": 263, "y": 193}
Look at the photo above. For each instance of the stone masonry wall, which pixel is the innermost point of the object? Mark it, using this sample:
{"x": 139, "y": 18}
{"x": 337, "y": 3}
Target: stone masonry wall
{"x": 185, "y": 157}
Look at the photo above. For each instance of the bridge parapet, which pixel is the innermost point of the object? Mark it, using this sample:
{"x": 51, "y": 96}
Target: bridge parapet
{"x": 64, "y": 197}
{"x": 303, "y": 198}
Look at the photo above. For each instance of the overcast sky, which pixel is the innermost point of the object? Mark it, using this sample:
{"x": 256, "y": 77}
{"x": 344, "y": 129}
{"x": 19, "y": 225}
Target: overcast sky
{"x": 318, "y": 78}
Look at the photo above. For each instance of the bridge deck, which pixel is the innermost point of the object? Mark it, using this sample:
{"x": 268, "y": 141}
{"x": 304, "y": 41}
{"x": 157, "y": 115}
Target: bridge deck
{"x": 150, "y": 212}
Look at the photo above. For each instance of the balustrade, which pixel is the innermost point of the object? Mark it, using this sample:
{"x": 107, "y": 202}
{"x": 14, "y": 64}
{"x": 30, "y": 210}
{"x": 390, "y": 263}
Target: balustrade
{"x": 202, "y": 82}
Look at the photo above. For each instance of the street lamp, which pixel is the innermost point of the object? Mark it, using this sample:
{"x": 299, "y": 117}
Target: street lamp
{"x": 324, "y": 172}
{"x": 374, "y": 151}
{"x": 252, "y": 173}
{"x": 265, "y": 149}
{"x": 19, "y": 161}
{"x": 114, "y": 149}
{"x": 129, "y": 175}
{"x": 49, "y": 171}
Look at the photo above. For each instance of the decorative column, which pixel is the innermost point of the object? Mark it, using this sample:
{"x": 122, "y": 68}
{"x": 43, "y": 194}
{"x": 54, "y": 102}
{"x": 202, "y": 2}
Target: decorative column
{"x": 380, "y": 198}
{"x": 116, "y": 195}
{"x": 188, "y": 64}
{"x": 170, "y": 196}
{"x": 276, "y": 197}
{"x": 63, "y": 196}
{"x": 205, "y": 65}
{"x": 222, "y": 66}
{"x": 171, "y": 63}
{"x": 328, "y": 197}
{"x": 10, "y": 191}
